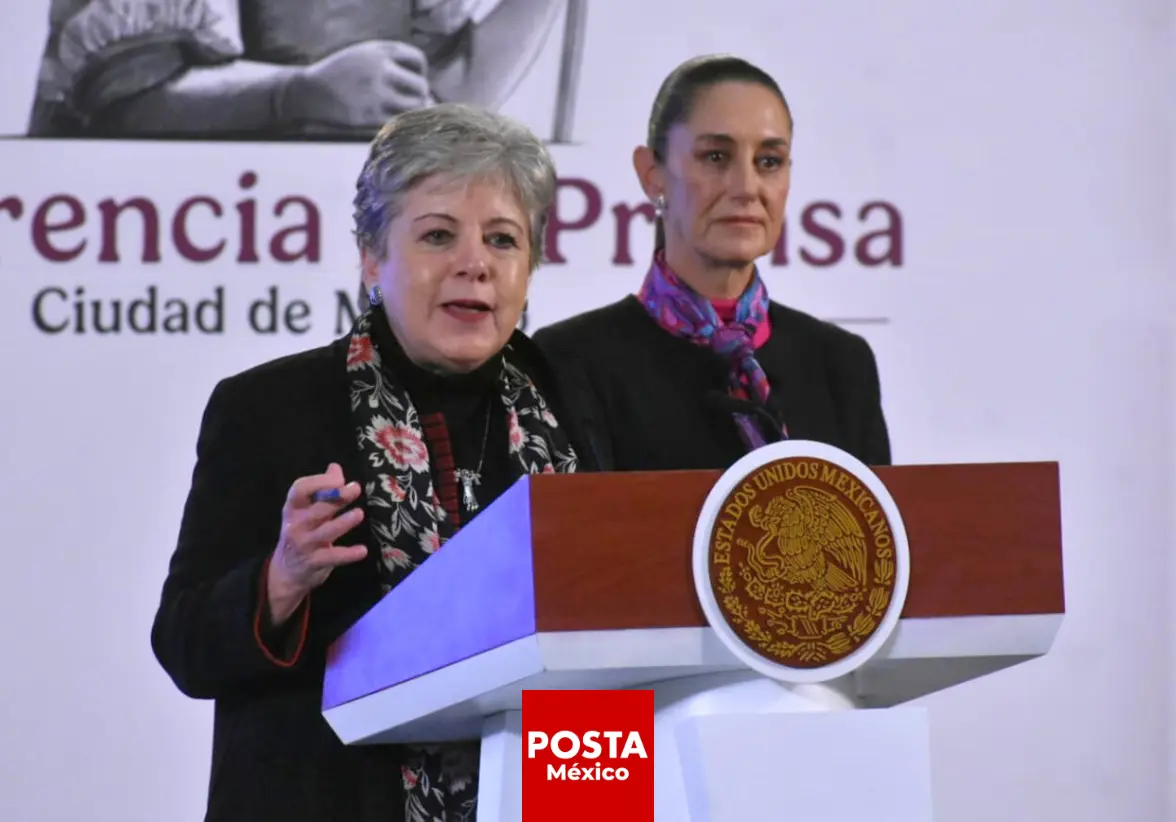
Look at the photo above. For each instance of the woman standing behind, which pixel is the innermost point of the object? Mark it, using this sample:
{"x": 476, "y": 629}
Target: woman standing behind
{"x": 700, "y": 366}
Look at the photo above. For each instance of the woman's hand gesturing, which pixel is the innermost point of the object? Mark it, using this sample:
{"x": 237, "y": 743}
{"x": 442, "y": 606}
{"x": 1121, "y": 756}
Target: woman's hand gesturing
{"x": 306, "y": 553}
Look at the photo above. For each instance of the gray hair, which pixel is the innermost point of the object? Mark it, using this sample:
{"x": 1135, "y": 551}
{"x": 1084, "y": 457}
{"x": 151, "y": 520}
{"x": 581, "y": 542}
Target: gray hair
{"x": 458, "y": 141}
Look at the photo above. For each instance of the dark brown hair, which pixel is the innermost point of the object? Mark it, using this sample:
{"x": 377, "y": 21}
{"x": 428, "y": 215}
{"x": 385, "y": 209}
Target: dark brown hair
{"x": 679, "y": 92}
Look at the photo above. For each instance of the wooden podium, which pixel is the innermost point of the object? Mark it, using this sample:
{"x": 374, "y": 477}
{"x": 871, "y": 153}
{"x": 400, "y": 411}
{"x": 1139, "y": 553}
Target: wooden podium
{"x": 585, "y": 581}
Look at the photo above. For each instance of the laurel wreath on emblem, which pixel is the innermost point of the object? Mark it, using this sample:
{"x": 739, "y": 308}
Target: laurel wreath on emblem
{"x": 807, "y": 577}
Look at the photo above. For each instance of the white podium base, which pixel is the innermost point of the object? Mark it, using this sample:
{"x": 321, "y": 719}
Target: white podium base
{"x": 735, "y": 746}
{"x": 500, "y": 770}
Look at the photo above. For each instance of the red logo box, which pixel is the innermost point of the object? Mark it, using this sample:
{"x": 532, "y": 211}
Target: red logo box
{"x": 587, "y": 755}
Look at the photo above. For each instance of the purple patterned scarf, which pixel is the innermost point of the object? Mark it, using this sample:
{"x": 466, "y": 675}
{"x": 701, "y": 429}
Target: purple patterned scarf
{"x": 683, "y": 312}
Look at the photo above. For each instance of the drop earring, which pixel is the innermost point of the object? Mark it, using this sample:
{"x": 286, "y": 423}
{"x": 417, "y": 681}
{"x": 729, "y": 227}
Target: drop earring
{"x": 375, "y": 295}
{"x": 659, "y": 205}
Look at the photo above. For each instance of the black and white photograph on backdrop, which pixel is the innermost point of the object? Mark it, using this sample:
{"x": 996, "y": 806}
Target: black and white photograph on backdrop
{"x": 296, "y": 70}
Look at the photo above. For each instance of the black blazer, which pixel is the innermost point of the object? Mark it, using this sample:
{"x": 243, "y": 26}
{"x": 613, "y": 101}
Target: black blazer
{"x": 274, "y": 758}
{"x": 648, "y": 396}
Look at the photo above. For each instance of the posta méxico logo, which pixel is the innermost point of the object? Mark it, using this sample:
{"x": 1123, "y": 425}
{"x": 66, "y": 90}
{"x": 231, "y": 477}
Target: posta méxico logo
{"x": 587, "y": 755}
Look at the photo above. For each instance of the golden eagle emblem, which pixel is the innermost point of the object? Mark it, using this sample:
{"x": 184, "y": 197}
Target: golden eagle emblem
{"x": 810, "y": 538}
{"x": 803, "y": 569}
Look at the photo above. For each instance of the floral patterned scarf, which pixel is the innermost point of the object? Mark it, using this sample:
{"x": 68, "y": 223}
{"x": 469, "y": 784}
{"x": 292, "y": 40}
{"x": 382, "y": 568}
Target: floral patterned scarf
{"x": 683, "y": 312}
{"x": 396, "y": 457}
{"x": 398, "y": 480}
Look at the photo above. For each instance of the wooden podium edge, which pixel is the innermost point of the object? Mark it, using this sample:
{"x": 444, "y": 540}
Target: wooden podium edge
{"x": 612, "y": 551}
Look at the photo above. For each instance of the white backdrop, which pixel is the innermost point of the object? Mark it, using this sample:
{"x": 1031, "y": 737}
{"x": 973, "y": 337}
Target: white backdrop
{"x": 1027, "y": 145}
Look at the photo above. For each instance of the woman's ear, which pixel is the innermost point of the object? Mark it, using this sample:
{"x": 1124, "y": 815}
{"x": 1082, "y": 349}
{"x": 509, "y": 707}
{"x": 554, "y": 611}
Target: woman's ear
{"x": 649, "y": 172}
{"x": 369, "y": 268}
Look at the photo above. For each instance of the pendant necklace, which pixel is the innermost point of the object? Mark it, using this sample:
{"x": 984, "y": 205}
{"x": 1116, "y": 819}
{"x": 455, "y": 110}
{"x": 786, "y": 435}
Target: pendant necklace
{"x": 468, "y": 478}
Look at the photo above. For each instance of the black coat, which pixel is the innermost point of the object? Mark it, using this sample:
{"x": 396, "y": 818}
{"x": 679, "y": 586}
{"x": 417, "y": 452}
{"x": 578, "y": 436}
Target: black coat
{"x": 274, "y": 758}
{"x": 649, "y": 396}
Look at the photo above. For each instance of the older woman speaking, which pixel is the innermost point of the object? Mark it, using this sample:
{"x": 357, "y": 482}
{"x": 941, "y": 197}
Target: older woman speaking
{"x": 324, "y": 478}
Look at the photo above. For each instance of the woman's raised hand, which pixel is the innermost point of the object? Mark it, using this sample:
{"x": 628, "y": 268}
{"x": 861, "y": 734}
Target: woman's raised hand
{"x": 306, "y": 553}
